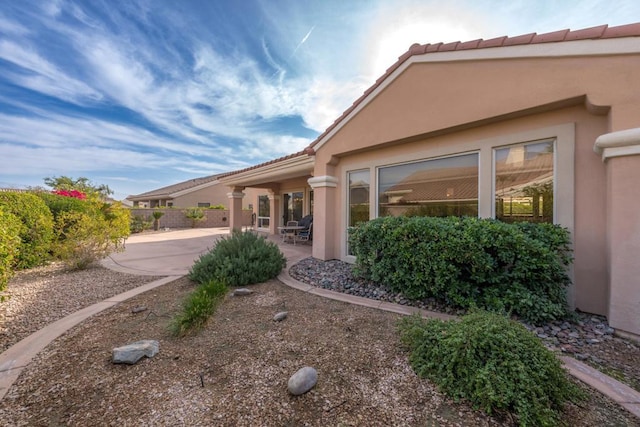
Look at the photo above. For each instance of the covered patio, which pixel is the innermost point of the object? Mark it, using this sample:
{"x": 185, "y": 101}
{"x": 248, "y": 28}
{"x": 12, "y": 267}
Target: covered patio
{"x": 281, "y": 190}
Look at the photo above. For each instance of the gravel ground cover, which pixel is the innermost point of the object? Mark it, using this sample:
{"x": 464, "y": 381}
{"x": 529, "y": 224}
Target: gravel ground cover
{"x": 587, "y": 338}
{"x": 234, "y": 371}
{"x": 42, "y": 295}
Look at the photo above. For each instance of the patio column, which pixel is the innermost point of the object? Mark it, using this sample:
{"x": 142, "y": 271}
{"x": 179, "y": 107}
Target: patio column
{"x": 621, "y": 153}
{"x": 325, "y": 217}
{"x": 235, "y": 208}
{"x": 274, "y": 211}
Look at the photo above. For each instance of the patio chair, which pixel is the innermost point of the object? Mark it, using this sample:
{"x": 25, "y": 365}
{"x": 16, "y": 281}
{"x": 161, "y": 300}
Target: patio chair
{"x": 304, "y": 235}
{"x": 289, "y": 234}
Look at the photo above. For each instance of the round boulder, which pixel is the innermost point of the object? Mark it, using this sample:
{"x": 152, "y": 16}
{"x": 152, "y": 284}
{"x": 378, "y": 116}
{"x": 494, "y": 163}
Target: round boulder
{"x": 303, "y": 380}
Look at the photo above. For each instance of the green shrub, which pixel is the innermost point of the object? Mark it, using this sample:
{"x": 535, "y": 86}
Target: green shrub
{"x": 198, "y": 307}
{"x": 58, "y": 204}
{"x": 494, "y": 363}
{"x": 217, "y": 207}
{"x": 86, "y": 230}
{"x": 81, "y": 240}
{"x": 240, "y": 259}
{"x": 468, "y": 262}
{"x": 139, "y": 223}
{"x": 195, "y": 215}
{"x": 36, "y": 231}
{"x": 118, "y": 219}
{"x": 10, "y": 227}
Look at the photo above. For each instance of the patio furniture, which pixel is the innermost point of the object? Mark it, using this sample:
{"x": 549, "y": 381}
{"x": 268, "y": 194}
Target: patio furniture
{"x": 304, "y": 235}
{"x": 288, "y": 232}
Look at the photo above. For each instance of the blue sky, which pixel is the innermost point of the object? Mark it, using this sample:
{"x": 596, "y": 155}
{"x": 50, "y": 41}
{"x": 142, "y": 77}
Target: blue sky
{"x": 142, "y": 94}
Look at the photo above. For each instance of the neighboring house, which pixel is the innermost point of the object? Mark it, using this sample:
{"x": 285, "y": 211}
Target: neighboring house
{"x": 199, "y": 192}
{"x": 538, "y": 127}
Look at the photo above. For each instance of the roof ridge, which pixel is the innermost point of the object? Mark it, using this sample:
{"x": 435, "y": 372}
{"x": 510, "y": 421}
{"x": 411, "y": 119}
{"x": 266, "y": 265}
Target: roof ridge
{"x": 566, "y": 35}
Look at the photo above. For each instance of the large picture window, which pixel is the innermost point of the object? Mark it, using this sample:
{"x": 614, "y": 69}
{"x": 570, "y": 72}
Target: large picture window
{"x": 439, "y": 187}
{"x": 524, "y": 182}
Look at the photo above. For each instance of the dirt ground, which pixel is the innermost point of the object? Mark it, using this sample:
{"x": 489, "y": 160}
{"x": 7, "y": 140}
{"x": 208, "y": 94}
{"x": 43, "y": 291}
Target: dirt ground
{"x": 234, "y": 371}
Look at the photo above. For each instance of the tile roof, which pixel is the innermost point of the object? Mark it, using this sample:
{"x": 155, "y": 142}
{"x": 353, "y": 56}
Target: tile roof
{"x": 169, "y": 190}
{"x": 599, "y": 32}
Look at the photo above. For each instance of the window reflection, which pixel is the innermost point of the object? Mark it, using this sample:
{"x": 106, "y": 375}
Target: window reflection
{"x": 293, "y": 204}
{"x": 524, "y": 182}
{"x": 358, "y": 197}
{"x": 439, "y": 187}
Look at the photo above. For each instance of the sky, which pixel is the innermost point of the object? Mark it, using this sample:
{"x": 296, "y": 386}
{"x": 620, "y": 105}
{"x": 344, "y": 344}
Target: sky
{"x": 140, "y": 94}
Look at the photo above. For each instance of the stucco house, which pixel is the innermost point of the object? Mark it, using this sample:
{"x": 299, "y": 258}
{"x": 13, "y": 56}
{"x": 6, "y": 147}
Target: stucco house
{"x": 538, "y": 127}
{"x": 199, "y": 192}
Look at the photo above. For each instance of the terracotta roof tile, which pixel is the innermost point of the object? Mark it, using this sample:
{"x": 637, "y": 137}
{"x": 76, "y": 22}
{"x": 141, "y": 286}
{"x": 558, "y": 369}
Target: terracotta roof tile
{"x": 517, "y": 40}
{"x": 447, "y": 47}
{"x": 586, "y": 33}
{"x": 556, "y": 36}
{"x": 433, "y": 47}
{"x": 629, "y": 30}
{"x": 497, "y": 42}
{"x": 473, "y": 44}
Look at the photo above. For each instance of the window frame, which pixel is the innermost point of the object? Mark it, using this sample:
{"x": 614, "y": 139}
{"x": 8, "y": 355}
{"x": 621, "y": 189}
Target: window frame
{"x": 427, "y": 159}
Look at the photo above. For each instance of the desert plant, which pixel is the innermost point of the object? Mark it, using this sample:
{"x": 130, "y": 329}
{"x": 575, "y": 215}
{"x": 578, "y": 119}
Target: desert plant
{"x": 195, "y": 215}
{"x": 198, "y": 307}
{"x": 241, "y": 259}
{"x": 156, "y": 219}
{"x": 36, "y": 230}
{"x": 493, "y": 362}
{"x": 9, "y": 244}
{"x": 139, "y": 223}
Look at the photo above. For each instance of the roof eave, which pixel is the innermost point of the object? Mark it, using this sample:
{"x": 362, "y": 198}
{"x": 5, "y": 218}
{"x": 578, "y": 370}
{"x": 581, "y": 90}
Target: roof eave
{"x": 297, "y": 166}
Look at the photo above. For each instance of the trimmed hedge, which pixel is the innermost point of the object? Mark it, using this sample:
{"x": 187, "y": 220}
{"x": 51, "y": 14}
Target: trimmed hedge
{"x": 10, "y": 227}
{"x": 36, "y": 231}
{"x": 241, "y": 259}
{"x": 469, "y": 262}
{"x": 493, "y": 362}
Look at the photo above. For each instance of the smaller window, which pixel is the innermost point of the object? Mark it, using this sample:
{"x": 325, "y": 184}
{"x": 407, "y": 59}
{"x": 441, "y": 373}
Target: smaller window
{"x": 169, "y": 204}
{"x": 524, "y": 182}
{"x": 204, "y": 205}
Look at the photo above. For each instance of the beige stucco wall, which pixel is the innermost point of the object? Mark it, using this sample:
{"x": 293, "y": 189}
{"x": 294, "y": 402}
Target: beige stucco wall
{"x": 439, "y": 109}
{"x": 588, "y": 225}
{"x": 214, "y": 194}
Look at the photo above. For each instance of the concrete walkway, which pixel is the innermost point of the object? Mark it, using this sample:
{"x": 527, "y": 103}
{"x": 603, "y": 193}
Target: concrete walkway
{"x": 172, "y": 253}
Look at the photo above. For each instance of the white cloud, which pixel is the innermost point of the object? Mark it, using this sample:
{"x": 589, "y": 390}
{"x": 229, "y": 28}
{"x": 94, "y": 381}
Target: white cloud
{"x": 43, "y": 76}
{"x": 11, "y": 27}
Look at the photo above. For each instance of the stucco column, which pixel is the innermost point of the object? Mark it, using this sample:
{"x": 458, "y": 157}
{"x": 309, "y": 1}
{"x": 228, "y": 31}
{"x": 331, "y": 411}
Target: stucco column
{"x": 274, "y": 212}
{"x": 621, "y": 153}
{"x": 325, "y": 217}
{"x": 235, "y": 208}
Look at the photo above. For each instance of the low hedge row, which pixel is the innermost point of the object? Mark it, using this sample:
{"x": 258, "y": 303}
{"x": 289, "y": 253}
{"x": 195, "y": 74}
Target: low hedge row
{"x": 77, "y": 231}
{"x": 469, "y": 262}
{"x": 36, "y": 229}
{"x": 10, "y": 227}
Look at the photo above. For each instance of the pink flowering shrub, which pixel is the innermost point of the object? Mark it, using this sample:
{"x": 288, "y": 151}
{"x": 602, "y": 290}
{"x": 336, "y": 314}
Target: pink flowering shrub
{"x": 71, "y": 193}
